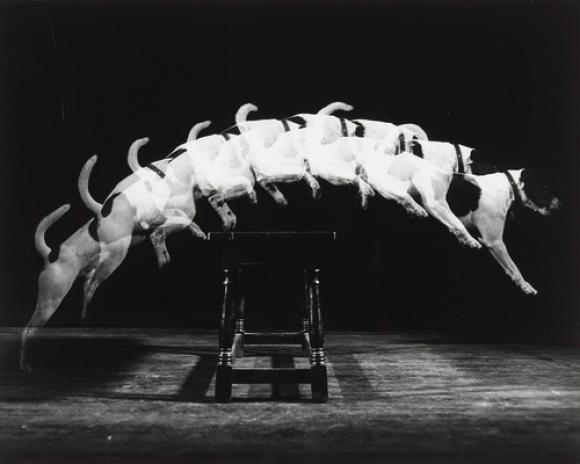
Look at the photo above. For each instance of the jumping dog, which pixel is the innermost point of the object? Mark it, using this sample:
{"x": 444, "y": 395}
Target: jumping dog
{"x": 482, "y": 203}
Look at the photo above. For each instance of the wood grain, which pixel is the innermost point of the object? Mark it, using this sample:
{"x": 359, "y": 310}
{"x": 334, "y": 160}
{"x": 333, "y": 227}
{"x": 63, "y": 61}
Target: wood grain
{"x": 142, "y": 395}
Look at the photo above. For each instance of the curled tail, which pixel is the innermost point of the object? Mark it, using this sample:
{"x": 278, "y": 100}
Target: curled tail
{"x": 93, "y": 205}
{"x": 43, "y": 226}
{"x": 195, "y": 130}
{"x": 242, "y": 114}
{"x": 133, "y": 154}
{"x": 335, "y": 106}
{"x": 415, "y": 129}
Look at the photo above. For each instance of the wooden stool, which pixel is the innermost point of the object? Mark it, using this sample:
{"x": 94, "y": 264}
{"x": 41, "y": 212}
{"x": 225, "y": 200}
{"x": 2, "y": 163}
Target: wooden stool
{"x": 240, "y": 249}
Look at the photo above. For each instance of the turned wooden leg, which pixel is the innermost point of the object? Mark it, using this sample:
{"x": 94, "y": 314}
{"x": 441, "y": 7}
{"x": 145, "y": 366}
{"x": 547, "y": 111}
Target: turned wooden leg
{"x": 223, "y": 386}
{"x": 319, "y": 382}
{"x": 240, "y": 313}
{"x": 306, "y": 314}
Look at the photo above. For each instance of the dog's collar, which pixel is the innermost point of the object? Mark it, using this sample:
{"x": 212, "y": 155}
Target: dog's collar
{"x": 460, "y": 165}
{"x": 225, "y": 135}
{"x": 297, "y": 120}
{"x": 285, "y": 124}
{"x": 156, "y": 170}
{"x": 175, "y": 153}
{"x": 400, "y": 144}
{"x": 343, "y": 128}
{"x": 360, "y": 129}
{"x": 417, "y": 148}
{"x": 515, "y": 189}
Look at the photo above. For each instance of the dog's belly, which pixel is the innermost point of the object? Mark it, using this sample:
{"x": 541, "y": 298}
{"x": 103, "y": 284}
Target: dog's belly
{"x": 403, "y": 167}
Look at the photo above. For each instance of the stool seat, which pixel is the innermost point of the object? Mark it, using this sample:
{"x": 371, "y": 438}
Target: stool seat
{"x": 249, "y": 236}
{"x": 285, "y": 248}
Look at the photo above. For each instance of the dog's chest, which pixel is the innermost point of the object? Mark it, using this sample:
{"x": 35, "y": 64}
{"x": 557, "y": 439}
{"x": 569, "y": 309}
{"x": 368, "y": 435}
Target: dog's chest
{"x": 148, "y": 196}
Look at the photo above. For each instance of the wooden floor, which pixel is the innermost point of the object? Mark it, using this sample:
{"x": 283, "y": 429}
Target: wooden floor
{"x": 101, "y": 395}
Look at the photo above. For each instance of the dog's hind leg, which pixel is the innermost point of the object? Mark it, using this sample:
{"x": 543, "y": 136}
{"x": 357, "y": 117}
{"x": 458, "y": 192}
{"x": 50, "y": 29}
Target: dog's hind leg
{"x": 54, "y": 283}
{"x": 112, "y": 255}
{"x": 87, "y": 295}
{"x": 434, "y": 202}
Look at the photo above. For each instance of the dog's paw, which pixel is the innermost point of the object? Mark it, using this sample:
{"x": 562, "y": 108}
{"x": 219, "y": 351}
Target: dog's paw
{"x": 472, "y": 243}
{"x": 281, "y": 200}
{"x": 417, "y": 212}
{"x": 469, "y": 242}
{"x": 528, "y": 289}
{"x": 315, "y": 193}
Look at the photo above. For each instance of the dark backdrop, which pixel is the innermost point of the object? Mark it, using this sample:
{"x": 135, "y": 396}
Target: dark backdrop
{"x": 79, "y": 78}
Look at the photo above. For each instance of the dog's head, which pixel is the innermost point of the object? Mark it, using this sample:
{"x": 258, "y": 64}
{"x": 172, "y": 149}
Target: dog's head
{"x": 536, "y": 194}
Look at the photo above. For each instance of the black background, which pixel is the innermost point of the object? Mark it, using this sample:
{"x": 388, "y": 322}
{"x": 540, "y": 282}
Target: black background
{"x": 90, "y": 77}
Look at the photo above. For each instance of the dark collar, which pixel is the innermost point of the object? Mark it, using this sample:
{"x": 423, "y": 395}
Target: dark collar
{"x": 343, "y": 128}
{"x": 400, "y": 147}
{"x": 286, "y": 125}
{"x": 297, "y": 120}
{"x": 460, "y": 165}
{"x": 360, "y": 129}
{"x": 175, "y": 153}
{"x": 515, "y": 189}
{"x": 156, "y": 170}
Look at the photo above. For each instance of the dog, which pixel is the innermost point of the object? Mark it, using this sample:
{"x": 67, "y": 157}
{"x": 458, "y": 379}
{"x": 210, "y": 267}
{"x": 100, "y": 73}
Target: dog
{"x": 398, "y": 177}
{"x": 76, "y": 257}
{"x": 482, "y": 203}
{"x": 168, "y": 191}
{"x": 289, "y": 158}
{"x": 142, "y": 205}
{"x": 218, "y": 165}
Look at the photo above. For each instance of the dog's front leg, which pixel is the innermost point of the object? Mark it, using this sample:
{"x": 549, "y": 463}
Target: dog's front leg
{"x": 157, "y": 239}
{"x": 313, "y": 184}
{"x": 220, "y": 206}
{"x": 433, "y": 191}
{"x": 393, "y": 189}
{"x": 273, "y": 191}
{"x": 499, "y": 251}
{"x": 178, "y": 219}
{"x": 491, "y": 228}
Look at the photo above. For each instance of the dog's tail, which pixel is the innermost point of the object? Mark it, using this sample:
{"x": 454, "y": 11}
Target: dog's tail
{"x": 133, "y": 154}
{"x": 415, "y": 129}
{"x": 335, "y": 106}
{"x": 242, "y": 115}
{"x": 93, "y": 205}
{"x": 43, "y": 226}
{"x": 195, "y": 130}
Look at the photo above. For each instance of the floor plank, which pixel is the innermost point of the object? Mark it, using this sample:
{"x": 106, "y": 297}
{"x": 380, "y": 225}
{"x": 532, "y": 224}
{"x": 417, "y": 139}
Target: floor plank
{"x": 146, "y": 395}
